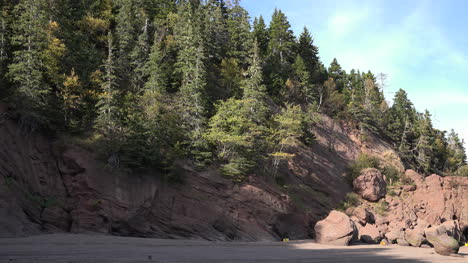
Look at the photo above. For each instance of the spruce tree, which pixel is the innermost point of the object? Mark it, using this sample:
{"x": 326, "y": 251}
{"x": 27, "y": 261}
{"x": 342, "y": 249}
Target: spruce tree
{"x": 107, "y": 121}
{"x": 139, "y": 58}
{"x": 280, "y": 53}
{"x": 238, "y": 127}
{"x": 260, "y": 32}
{"x": 240, "y": 38}
{"x": 337, "y": 74}
{"x": 308, "y": 52}
{"x": 126, "y": 21}
{"x": 425, "y": 143}
{"x": 190, "y": 64}
{"x": 30, "y": 40}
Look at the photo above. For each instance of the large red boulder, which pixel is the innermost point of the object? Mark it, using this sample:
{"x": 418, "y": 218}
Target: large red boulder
{"x": 337, "y": 229}
{"x": 370, "y": 185}
{"x": 442, "y": 242}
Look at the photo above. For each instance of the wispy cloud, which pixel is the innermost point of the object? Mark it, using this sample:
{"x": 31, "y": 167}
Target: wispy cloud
{"x": 344, "y": 23}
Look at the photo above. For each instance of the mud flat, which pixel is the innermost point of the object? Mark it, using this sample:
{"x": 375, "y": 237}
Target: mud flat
{"x": 68, "y": 248}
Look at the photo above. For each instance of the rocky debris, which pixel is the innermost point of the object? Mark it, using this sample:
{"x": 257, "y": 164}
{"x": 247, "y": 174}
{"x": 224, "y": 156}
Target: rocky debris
{"x": 370, "y": 234}
{"x": 409, "y": 188}
{"x": 432, "y": 201}
{"x": 415, "y": 237}
{"x": 442, "y": 242}
{"x": 454, "y": 230}
{"x": 393, "y": 235}
{"x": 415, "y": 177}
{"x": 370, "y": 185}
{"x": 402, "y": 242}
{"x": 360, "y": 215}
{"x": 336, "y": 229}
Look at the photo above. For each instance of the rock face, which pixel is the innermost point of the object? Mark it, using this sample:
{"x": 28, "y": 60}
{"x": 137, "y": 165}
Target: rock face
{"x": 337, "y": 229}
{"x": 442, "y": 242}
{"x": 370, "y": 185}
{"x": 47, "y": 185}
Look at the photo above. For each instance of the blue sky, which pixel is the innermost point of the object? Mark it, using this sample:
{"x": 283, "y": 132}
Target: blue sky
{"x": 421, "y": 45}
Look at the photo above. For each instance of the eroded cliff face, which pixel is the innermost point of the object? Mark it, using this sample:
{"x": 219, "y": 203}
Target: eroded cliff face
{"x": 46, "y": 186}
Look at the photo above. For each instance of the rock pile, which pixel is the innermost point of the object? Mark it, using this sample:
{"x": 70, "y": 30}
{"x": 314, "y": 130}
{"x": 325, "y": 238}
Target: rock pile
{"x": 429, "y": 211}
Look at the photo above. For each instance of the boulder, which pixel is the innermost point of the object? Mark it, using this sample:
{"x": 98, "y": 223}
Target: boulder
{"x": 415, "y": 177}
{"x": 362, "y": 215}
{"x": 337, "y": 229}
{"x": 370, "y": 185}
{"x": 402, "y": 242}
{"x": 369, "y": 234}
{"x": 415, "y": 237}
{"x": 393, "y": 235}
{"x": 442, "y": 242}
{"x": 454, "y": 230}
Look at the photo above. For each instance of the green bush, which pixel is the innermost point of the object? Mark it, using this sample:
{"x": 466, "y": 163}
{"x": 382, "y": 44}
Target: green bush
{"x": 405, "y": 180}
{"x": 391, "y": 173}
{"x": 381, "y": 208}
{"x": 362, "y": 162}
{"x": 351, "y": 200}
{"x": 462, "y": 171}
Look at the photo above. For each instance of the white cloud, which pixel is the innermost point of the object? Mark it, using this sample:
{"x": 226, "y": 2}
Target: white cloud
{"x": 343, "y": 23}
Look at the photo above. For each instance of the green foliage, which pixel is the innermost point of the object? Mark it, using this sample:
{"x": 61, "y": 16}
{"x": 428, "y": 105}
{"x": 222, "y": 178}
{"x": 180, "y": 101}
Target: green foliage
{"x": 288, "y": 132}
{"x": 362, "y": 162}
{"x": 405, "y": 180}
{"x": 462, "y": 171}
{"x": 351, "y": 200}
{"x": 381, "y": 208}
{"x": 151, "y": 81}
{"x": 391, "y": 173}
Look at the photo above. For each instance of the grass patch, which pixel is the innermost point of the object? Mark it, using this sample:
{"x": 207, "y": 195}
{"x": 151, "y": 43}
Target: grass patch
{"x": 351, "y": 200}
{"x": 381, "y": 208}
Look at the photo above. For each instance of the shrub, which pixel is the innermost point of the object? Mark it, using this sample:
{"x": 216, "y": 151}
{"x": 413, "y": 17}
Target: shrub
{"x": 392, "y": 192}
{"x": 462, "y": 171}
{"x": 405, "y": 180}
{"x": 391, "y": 173}
{"x": 351, "y": 200}
{"x": 381, "y": 208}
{"x": 362, "y": 162}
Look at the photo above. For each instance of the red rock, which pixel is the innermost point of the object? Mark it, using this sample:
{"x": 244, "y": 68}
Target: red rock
{"x": 370, "y": 234}
{"x": 370, "y": 185}
{"x": 415, "y": 237}
{"x": 336, "y": 229}
{"x": 442, "y": 242}
{"x": 417, "y": 178}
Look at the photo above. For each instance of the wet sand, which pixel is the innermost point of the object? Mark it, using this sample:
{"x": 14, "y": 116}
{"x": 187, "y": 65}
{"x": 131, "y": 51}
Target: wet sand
{"x": 68, "y": 248}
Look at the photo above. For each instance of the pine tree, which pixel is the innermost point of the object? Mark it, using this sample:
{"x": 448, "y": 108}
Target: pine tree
{"x": 281, "y": 43}
{"x": 107, "y": 121}
{"x": 240, "y": 38}
{"x": 260, "y": 32}
{"x": 456, "y": 152}
{"x": 190, "y": 64}
{"x": 302, "y": 77}
{"x": 126, "y": 21}
{"x": 425, "y": 142}
{"x": 287, "y": 132}
{"x": 30, "y": 40}
{"x": 139, "y": 58}
{"x": 238, "y": 127}
{"x": 308, "y": 52}
{"x": 280, "y": 54}
{"x": 5, "y": 51}
{"x": 337, "y": 74}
